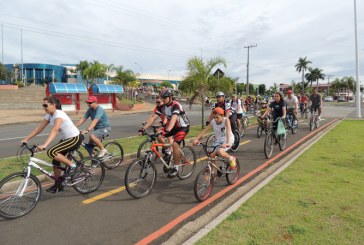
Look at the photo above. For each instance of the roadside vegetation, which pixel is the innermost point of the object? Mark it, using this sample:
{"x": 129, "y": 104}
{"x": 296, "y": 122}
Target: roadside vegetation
{"x": 319, "y": 199}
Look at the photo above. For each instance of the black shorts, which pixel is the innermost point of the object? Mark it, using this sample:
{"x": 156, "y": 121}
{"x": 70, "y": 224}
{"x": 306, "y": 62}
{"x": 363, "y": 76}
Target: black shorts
{"x": 239, "y": 116}
{"x": 64, "y": 146}
{"x": 179, "y": 134}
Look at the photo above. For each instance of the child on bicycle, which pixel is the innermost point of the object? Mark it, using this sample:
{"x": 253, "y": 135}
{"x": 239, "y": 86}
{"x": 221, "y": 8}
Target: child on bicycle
{"x": 263, "y": 108}
{"x": 223, "y": 134}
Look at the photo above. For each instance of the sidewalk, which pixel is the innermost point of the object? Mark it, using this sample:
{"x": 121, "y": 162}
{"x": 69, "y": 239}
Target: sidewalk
{"x": 26, "y": 116}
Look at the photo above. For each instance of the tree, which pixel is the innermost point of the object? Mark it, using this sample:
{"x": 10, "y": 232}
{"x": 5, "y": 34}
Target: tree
{"x": 82, "y": 68}
{"x": 166, "y": 84}
{"x": 5, "y": 74}
{"x": 316, "y": 75}
{"x": 95, "y": 70}
{"x": 224, "y": 84}
{"x": 302, "y": 66}
{"x": 124, "y": 77}
{"x": 109, "y": 68}
{"x": 261, "y": 89}
{"x": 197, "y": 79}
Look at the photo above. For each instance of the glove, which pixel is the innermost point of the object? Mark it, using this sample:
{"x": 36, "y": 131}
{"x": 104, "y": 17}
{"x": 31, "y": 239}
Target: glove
{"x": 141, "y": 130}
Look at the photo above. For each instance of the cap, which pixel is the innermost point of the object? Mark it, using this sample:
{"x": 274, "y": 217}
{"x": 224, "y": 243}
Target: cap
{"x": 219, "y": 111}
{"x": 289, "y": 91}
{"x": 91, "y": 99}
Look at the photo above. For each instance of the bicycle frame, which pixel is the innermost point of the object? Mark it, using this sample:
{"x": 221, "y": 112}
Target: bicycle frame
{"x": 156, "y": 152}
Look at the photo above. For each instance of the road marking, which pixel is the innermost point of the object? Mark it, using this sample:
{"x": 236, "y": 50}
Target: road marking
{"x": 175, "y": 221}
{"x": 122, "y": 188}
{"x": 21, "y": 137}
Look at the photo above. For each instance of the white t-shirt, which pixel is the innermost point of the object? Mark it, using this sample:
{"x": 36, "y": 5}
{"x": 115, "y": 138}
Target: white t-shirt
{"x": 67, "y": 129}
{"x": 234, "y": 105}
{"x": 291, "y": 103}
{"x": 220, "y": 132}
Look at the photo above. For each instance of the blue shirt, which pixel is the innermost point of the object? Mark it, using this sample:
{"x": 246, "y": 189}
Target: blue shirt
{"x": 100, "y": 114}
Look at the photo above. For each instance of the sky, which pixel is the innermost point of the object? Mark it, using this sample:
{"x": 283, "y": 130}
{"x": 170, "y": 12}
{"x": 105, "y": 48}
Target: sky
{"x": 158, "y": 37}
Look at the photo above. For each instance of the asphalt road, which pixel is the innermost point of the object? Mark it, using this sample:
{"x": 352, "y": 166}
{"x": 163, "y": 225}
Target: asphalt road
{"x": 64, "y": 218}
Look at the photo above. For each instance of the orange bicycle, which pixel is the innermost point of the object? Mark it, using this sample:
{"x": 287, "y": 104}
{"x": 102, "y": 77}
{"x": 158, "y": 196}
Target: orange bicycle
{"x": 141, "y": 174}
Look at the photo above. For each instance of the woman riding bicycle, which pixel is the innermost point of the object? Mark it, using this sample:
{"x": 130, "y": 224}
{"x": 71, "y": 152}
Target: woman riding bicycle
{"x": 70, "y": 138}
{"x": 278, "y": 107}
{"x": 223, "y": 135}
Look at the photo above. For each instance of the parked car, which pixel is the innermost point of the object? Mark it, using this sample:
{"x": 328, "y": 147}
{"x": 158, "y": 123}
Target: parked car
{"x": 341, "y": 99}
{"x": 329, "y": 98}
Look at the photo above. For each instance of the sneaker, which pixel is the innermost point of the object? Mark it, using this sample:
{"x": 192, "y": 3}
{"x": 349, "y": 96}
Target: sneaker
{"x": 70, "y": 171}
{"x": 233, "y": 163}
{"x": 55, "y": 188}
{"x": 173, "y": 172}
{"x": 102, "y": 153}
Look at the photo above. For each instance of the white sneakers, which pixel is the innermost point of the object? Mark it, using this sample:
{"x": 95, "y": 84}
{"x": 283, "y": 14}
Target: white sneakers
{"x": 102, "y": 153}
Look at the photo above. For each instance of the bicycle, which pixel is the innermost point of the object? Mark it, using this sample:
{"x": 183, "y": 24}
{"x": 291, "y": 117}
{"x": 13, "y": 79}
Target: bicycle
{"x": 20, "y": 192}
{"x": 292, "y": 124}
{"x": 113, "y": 157}
{"x": 146, "y": 144}
{"x": 263, "y": 126}
{"x": 271, "y": 138}
{"x": 206, "y": 177}
{"x": 314, "y": 121}
{"x": 141, "y": 174}
{"x": 304, "y": 111}
{"x": 211, "y": 141}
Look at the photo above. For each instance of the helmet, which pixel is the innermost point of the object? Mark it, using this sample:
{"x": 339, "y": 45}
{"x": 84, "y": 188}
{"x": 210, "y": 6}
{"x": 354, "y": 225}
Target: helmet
{"x": 220, "y": 94}
{"x": 166, "y": 93}
{"x": 263, "y": 102}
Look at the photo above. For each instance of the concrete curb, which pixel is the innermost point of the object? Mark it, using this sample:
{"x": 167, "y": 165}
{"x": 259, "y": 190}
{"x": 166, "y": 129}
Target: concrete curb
{"x": 195, "y": 230}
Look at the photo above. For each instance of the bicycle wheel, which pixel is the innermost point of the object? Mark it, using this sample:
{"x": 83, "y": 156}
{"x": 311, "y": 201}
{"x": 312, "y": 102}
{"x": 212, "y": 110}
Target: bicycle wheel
{"x": 140, "y": 178}
{"x": 311, "y": 124}
{"x": 294, "y": 126}
{"x": 188, "y": 162}
{"x": 89, "y": 175}
{"x": 233, "y": 175}
{"x": 268, "y": 144}
{"x": 12, "y": 204}
{"x": 246, "y": 122}
{"x": 77, "y": 155}
{"x": 203, "y": 184}
{"x": 210, "y": 140}
{"x": 282, "y": 141}
{"x": 236, "y": 144}
{"x": 145, "y": 145}
{"x": 259, "y": 131}
{"x": 114, "y": 155}
{"x": 317, "y": 123}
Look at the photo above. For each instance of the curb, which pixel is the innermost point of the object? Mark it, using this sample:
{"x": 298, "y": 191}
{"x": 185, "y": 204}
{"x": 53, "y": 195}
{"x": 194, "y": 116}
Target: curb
{"x": 194, "y": 230}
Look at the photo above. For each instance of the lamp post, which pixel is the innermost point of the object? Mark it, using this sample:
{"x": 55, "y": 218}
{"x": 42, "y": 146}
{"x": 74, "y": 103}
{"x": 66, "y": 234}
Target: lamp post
{"x": 168, "y": 73}
{"x": 328, "y": 83}
{"x": 141, "y": 69}
{"x": 247, "y": 69}
{"x": 357, "y": 94}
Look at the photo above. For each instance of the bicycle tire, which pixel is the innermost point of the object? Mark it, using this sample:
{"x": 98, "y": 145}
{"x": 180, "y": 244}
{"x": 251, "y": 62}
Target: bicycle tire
{"x": 210, "y": 140}
{"x": 268, "y": 144}
{"x": 294, "y": 126}
{"x": 236, "y": 144}
{"x": 11, "y": 206}
{"x": 203, "y": 184}
{"x": 259, "y": 131}
{"x": 231, "y": 178}
{"x": 246, "y": 123}
{"x": 89, "y": 175}
{"x": 311, "y": 124}
{"x": 317, "y": 123}
{"x": 188, "y": 163}
{"x": 145, "y": 145}
{"x": 77, "y": 155}
{"x": 114, "y": 155}
{"x": 136, "y": 174}
{"x": 282, "y": 141}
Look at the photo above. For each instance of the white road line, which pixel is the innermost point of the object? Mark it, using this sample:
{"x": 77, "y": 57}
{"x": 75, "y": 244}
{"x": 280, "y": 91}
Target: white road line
{"x": 21, "y": 137}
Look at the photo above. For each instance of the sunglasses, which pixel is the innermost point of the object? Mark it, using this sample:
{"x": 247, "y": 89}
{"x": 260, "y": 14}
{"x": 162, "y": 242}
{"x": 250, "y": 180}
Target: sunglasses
{"x": 219, "y": 96}
{"x": 89, "y": 103}
{"x": 45, "y": 105}
{"x": 158, "y": 102}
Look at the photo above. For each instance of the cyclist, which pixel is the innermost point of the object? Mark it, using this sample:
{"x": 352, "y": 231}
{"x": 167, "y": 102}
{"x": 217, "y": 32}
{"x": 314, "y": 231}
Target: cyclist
{"x": 262, "y": 110}
{"x": 303, "y": 102}
{"x": 100, "y": 124}
{"x": 292, "y": 104}
{"x": 316, "y": 102}
{"x": 278, "y": 107}
{"x": 225, "y": 105}
{"x": 223, "y": 135}
{"x": 67, "y": 131}
{"x": 177, "y": 125}
{"x": 237, "y": 105}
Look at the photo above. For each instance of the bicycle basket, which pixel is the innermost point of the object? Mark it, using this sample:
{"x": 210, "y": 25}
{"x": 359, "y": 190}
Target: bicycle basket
{"x": 23, "y": 155}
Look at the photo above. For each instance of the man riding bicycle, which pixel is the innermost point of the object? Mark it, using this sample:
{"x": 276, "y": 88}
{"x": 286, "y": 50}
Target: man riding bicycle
{"x": 100, "y": 124}
{"x": 292, "y": 104}
{"x": 316, "y": 102}
{"x": 303, "y": 102}
{"x": 229, "y": 111}
{"x": 177, "y": 125}
{"x": 237, "y": 105}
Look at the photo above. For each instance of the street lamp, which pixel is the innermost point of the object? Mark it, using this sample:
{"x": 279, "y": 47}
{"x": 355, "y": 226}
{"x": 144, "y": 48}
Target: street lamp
{"x": 247, "y": 69}
{"x": 357, "y": 95}
{"x": 168, "y": 73}
{"x": 141, "y": 69}
{"x": 328, "y": 83}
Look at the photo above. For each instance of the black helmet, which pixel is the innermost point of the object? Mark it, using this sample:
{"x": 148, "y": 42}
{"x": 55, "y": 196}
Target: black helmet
{"x": 220, "y": 94}
{"x": 166, "y": 93}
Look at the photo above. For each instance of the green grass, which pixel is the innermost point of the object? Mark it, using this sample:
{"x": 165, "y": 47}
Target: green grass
{"x": 319, "y": 199}
{"x": 130, "y": 145}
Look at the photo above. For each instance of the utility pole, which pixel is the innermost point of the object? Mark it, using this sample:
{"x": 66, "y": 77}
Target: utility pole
{"x": 2, "y": 43}
{"x": 247, "y": 69}
{"x": 21, "y": 53}
{"x": 357, "y": 95}
{"x": 328, "y": 83}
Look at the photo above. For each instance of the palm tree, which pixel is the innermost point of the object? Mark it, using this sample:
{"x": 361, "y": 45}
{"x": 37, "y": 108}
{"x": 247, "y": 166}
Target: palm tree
{"x": 302, "y": 66}
{"x": 124, "y": 77}
{"x": 82, "y": 67}
{"x": 109, "y": 69}
{"x": 96, "y": 70}
{"x": 197, "y": 79}
{"x": 318, "y": 75}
